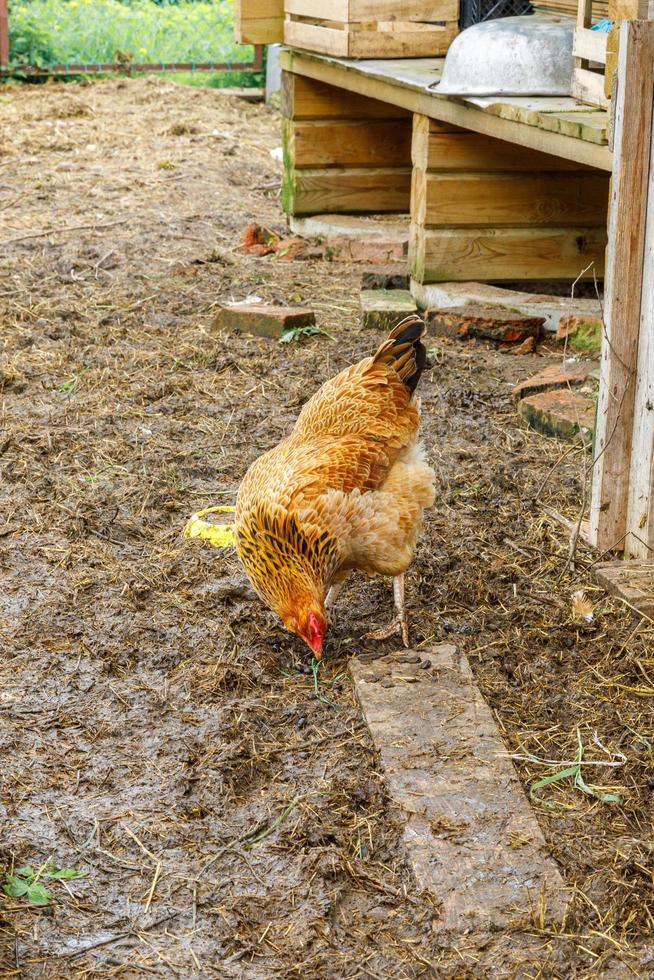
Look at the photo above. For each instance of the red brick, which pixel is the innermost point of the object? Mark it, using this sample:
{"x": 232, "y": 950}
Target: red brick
{"x": 485, "y": 323}
{"x": 262, "y": 321}
{"x": 570, "y": 374}
{"x": 561, "y": 414}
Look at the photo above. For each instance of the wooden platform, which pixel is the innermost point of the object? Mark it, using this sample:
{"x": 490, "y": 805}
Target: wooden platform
{"x": 560, "y": 127}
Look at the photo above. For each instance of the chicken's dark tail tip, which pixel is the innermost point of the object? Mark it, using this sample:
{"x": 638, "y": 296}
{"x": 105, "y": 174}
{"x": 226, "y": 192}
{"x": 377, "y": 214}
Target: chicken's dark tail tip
{"x": 405, "y": 350}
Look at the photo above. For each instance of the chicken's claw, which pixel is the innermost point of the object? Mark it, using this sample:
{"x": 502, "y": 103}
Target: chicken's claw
{"x": 399, "y": 625}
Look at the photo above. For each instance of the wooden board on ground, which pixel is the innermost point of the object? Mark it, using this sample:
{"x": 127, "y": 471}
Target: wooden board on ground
{"x": 470, "y": 834}
{"x": 632, "y": 581}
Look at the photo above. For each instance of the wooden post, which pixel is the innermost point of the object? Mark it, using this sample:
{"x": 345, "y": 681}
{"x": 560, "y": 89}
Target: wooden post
{"x": 4, "y": 33}
{"x": 624, "y": 286}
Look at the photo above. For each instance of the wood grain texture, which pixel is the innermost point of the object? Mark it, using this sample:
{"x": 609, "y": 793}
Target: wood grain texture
{"x": 441, "y": 146}
{"x": 258, "y": 21}
{"x": 510, "y": 200}
{"x": 345, "y": 43}
{"x": 341, "y": 191}
{"x": 496, "y": 254}
{"x": 352, "y": 143}
{"x": 347, "y": 11}
{"x": 306, "y": 98}
{"x": 624, "y": 282}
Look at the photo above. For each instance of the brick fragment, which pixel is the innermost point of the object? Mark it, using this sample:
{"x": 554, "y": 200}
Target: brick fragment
{"x": 574, "y": 323}
{"x": 485, "y": 323}
{"x": 561, "y": 413}
{"x": 382, "y": 309}
{"x": 260, "y": 320}
{"x": 569, "y": 374}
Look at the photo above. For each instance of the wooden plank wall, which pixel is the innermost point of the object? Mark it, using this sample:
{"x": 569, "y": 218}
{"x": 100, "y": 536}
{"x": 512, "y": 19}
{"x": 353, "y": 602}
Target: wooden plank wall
{"x": 489, "y": 210}
{"x": 343, "y": 153}
{"x": 621, "y": 515}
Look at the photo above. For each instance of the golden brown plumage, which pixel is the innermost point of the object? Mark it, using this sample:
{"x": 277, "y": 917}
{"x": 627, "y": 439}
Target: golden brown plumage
{"x": 345, "y": 491}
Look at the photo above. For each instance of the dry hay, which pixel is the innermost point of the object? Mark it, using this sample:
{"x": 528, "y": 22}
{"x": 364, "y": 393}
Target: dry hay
{"x": 158, "y": 728}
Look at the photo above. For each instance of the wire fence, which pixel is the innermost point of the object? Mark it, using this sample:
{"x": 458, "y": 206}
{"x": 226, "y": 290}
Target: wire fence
{"x": 67, "y": 37}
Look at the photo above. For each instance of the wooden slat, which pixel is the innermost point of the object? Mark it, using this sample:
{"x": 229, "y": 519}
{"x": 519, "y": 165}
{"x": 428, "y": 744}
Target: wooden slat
{"x": 352, "y": 143}
{"x": 504, "y": 253}
{"x": 622, "y": 305}
{"x": 346, "y": 43}
{"x": 306, "y": 98}
{"x": 441, "y": 146}
{"x": 347, "y": 191}
{"x": 375, "y": 10}
{"x": 511, "y": 200}
{"x": 590, "y": 45}
{"x": 258, "y": 21}
{"x": 588, "y": 87}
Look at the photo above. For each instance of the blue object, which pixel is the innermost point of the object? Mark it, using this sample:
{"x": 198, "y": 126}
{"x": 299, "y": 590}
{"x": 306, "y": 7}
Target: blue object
{"x": 603, "y": 26}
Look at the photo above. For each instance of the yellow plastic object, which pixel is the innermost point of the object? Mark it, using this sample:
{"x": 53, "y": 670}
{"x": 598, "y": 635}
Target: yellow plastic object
{"x": 219, "y": 535}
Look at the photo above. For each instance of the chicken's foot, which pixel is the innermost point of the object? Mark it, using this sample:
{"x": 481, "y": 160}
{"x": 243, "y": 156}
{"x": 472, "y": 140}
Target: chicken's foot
{"x": 400, "y": 623}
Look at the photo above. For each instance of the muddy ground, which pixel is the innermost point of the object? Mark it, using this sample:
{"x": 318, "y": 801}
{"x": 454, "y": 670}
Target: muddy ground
{"x": 159, "y": 730}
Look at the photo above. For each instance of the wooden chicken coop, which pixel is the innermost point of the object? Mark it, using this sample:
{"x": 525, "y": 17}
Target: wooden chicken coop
{"x": 496, "y": 188}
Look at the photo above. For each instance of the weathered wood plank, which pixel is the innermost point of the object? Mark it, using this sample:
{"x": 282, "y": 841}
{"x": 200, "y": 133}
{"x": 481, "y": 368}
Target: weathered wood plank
{"x": 630, "y": 580}
{"x": 374, "y": 10}
{"x": 519, "y": 199}
{"x": 590, "y": 45}
{"x": 496, "y": 254}
{"x": 458, "y": 795}
{"x": 588, "y": 86}
{"x": 343, "y": 42}
{"x": 347, "y": 191}
{"x": 623, "y": 288}
{"x": 441, "y": 146}
{"x": 306, "y": 98}
{"x": 351, "y": 143}
{"x": 258, "y": 21}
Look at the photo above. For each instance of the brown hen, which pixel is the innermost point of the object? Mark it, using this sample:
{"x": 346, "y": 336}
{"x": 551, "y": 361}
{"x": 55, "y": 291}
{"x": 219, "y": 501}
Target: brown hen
{"x": 344, "y": 492}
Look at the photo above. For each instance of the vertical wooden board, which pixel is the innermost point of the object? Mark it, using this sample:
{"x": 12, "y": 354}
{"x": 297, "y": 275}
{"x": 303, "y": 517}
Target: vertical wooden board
{"x": 259, "y": 21}
{"x": 624, "y": 283}
{"x": 496, "y": 254}
{"x": 519, "y": 200}
{"x": 352, "y": 143}
{"x": 640, "y": 513}
{"x": 306, "y": 98}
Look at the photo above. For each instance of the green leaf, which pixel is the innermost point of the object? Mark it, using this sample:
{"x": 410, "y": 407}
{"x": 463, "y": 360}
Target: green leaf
{"x": 26, "y": 872}
{"x": 65, "y": 873}
{"x": 15, "y": 887}
{"x": 38, "y": 895}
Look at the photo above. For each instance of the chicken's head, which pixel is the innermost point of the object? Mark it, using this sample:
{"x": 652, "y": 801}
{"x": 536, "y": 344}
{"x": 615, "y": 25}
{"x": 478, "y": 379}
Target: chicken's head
{"x": 308, "y": 621}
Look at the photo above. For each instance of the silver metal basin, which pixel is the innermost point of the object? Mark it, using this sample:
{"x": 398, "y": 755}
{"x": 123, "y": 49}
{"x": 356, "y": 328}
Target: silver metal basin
{"x": 513, "y": 56}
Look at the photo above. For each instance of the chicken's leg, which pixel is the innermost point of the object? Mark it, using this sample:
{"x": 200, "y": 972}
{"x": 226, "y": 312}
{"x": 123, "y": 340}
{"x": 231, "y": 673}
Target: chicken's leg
{"x": 400, "y": 623}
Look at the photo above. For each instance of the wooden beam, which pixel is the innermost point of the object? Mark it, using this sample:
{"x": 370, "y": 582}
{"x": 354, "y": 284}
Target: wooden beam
{"x": 351, "y": 143}
{"x": 306, "y": 98}
{"x": 441, "y": 146}
{"x": 340, "y": 191}
{"x": 624, "y": 284}
{"x": 496, "y": 254}
{"x": 511, "y": 200}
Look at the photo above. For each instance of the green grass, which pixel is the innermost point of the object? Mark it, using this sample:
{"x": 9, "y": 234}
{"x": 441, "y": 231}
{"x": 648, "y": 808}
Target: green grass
{"x": 48, "y": 32}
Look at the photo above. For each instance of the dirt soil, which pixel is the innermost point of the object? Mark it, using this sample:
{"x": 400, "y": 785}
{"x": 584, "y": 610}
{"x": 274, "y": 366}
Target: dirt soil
{"x": 158, "y": 729}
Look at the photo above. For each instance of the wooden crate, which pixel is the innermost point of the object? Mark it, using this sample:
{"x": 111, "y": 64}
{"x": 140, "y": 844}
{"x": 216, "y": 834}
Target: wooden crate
{"x": 372, "y": 28}
{"x": 596, "y": 53}
{"x": 343, "y": 153}
{"x": 482, "y": 209}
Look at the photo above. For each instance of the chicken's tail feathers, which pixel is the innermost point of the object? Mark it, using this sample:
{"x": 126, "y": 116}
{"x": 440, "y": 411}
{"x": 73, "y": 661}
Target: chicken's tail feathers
{"x": 404, "y": 350}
